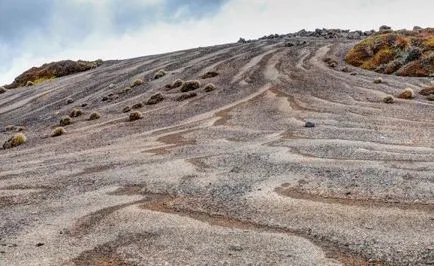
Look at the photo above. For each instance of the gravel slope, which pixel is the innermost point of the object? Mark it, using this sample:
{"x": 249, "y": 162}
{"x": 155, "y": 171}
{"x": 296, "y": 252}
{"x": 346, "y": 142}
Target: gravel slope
{"x": 227, "y": 177}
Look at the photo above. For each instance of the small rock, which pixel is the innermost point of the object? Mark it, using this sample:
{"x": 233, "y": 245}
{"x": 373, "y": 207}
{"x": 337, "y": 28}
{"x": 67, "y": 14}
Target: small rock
{"x": 378, "y": 80}
{"x": 39, "y": 244}
{"x": 235, "y": 248}
{"x": 345, "y": 70}
{"x": 353, "y": 74}
{"x": 83, "y": 104}
{"x": 430, "y": 97}
{"x": 388, "y": 99}
{"x": 105, "y": 98}
{"x": 126, "y": 109}
{"x": 309, "y": 124}
{"x": 69, "y": 101}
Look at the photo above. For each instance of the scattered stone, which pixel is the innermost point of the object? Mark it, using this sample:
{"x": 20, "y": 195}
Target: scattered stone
{"x": 345, "y": 69}
{"x": 289, "y": 44}
{"x": 29, "y": 83}
{"x": 40, "y": 244}
{"x": 330, "y": 62}
{"x": 242, "y": 40}
{"x": 2, "y": 90}
{"x": 235, "y": 248}
{"x": 83, "y": 104}
{"x": 408, "y": 93}
{"x": 385, "y": 28}
{"x": 378, "y": 80}
{"x": 388, "y": 99}
{"x": 105, "y": 98}
{"x": 156, "y": 98}
{"x": 309, "y": 124}
{"x": 353, "y": 74}
{"x": 69, "y": 100}
{"x": 112, "y": 86}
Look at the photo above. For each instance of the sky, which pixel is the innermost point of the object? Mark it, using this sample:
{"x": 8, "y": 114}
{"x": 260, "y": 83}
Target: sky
{"x": 33, "y": 32}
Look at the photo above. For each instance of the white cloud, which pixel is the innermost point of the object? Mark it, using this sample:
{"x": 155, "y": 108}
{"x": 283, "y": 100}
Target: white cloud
{"x": 237, "y": 18}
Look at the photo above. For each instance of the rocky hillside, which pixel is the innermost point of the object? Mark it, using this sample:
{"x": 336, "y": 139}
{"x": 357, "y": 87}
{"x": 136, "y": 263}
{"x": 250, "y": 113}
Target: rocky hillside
{"x": 263, "y": 152}
{"x": 404, "y": 53}
{"x": 49, "y": 71}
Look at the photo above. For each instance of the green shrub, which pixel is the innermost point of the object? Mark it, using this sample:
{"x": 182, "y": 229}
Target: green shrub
{"x": 65, "y": 121}
{"x": 94, "y": 116}
{"x": 190, "y": 85}
{"x": 136, "y": 115}
{"x": 154, "y": 99}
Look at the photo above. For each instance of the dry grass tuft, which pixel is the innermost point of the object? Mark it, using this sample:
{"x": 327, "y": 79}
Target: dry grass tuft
{"x": 209, "y": 87}
{"x": 94, "y": 116}
{"x": 161, "y": 73}
{"x": 65, "y": 121}
{"x": 154, "y": 99}
{"x": 190, "y": 85}
{"x": 137, "y": 82}
{"x": 58, "y": 131}
{"x": 186, "y": 96}
{"x": 76, "y": 113}
{"x": 408, "y": 93}
{"x": 136, "y": 115}
{"x": 16, "y": 140}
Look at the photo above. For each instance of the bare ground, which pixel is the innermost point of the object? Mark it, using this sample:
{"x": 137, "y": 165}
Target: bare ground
{"x": 227, "y": 177}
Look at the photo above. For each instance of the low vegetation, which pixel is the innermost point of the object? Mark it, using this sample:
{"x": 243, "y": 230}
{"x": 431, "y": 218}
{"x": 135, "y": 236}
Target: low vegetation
{"x": 210, "y": 74}
{"x": 2, "y": 90}
{"x": 29, "y": 83}
{"x": 49, "y": 71}
{"x": 136, "y": 115}
{"x": 69, "y": 100}
{"x": 137, "y": 82}
{"x": 76, "y": 113}
{"x": 65, "y": 121}
{"x": 427, "y": 91}
{"x": 137, "y": 106}
{"x": 404, "y": 53}
{"x": 94, "y": 116}
{"x": 408, "y": 93}
{"x": 209, "y": 87}
{"x": 126, "y": 109}
{"x": 14, "y": 128}
{"x": 176, "y": 84}
{"x": 16, "y": 140}
{"x": 154, "y": 99}
{"x": 160, "y": 74}
{"x": 186, "y": 96}
{"x": 190, "y": 85}
{"x": 58, "y": 131}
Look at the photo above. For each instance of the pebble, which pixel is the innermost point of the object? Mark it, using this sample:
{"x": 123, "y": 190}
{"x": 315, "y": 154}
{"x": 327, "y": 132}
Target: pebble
{"x": 309, "y": 124}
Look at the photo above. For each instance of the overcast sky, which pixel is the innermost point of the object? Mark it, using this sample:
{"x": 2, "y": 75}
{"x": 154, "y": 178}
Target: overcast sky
{"x": 33, "y": 32}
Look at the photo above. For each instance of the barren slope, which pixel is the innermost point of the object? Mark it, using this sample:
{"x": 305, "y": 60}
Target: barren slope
{"x": 231, "y": 176}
